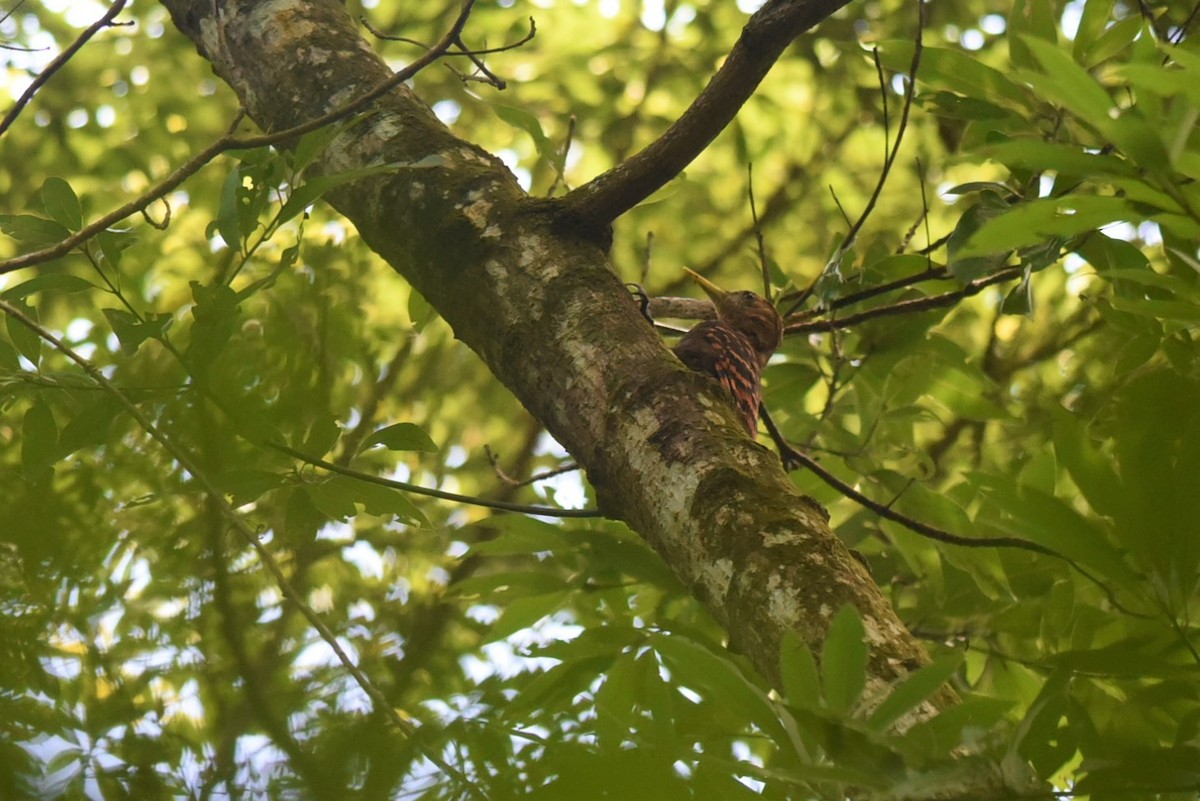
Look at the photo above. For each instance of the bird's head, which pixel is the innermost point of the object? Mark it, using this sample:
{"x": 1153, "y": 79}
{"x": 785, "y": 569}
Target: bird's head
{"x": 746, "y": 312}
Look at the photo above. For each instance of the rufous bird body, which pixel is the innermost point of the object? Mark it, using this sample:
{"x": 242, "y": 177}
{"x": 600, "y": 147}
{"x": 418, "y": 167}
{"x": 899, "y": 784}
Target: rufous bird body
{"x": 735, "y": 347}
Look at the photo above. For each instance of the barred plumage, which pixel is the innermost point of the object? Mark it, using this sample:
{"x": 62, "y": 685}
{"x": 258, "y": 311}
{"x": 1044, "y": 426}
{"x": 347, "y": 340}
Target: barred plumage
{"x": 735, "y": 347}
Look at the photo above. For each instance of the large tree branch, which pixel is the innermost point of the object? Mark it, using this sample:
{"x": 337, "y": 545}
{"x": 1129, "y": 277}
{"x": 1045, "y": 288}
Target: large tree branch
{"x": 770, "y": 30}
{"x": 543, "y": 308}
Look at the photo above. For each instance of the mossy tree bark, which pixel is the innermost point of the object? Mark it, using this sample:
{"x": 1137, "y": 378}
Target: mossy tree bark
{"x": 527, "y": 285}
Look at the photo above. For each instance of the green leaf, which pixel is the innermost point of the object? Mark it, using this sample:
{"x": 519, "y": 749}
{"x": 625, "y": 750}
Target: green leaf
{"x": 553, "y": 688}
{"x": 958, "y": 72}
{"x": 310, "y": 191}
{"x": 1030, "y": 19}
{"x": 1032, "y": 222}
{"x": 802, "y": 774}
{"x": 1161, "y": 81}
{"x": 1117, "y": 37}
{"x": 503, "y": 586}
{"x": 66, "y": 758}
{"x": 1092, "y": 22}
{"x": 420, "y": 312}
{"x": 617, "y": 699}
{"x": 798, "y": 671}
{"x": 525, "y": 612}
{"x": 844, "y": 660}
{"x": 1105, "y": 253}
{"x": 34, "y": 231}
{"x": 53, "y": 282}
{"x": 387, "y": 502}
{"x": 523, "y": 120}
{"x": 1158, "y": 309}
{"x": 113, "y": 244}
{"x": 915, "y": 689}
{"x": 244, "y": 486}
{"x": 215, "y": 314}
{"x": 401, "y": 437}
{"x": 90, "y": 426}
{"x": 322, "y": 435}
{"x": 27, "y": 341}
{"x": 719, "y": 680}
{"x": 1019, "y": 299}
{"x": 1036, "y": 154}
{"x": 962, "y": 265}
{"x": 525, "y": 535}
{"x": 958, "y": 725}
{"x": 228, "y": 223}
{"x": 9, "y": 360}
{"x": 1037, "y": 515}
{"x": 60, "y": 202}
{"x": 334, "y": 498}
{"x": 39, "y": 441}
{"x": 1069, "y": 85}
{"x": 132, "y": 332}
{"x": 313, "y": 143}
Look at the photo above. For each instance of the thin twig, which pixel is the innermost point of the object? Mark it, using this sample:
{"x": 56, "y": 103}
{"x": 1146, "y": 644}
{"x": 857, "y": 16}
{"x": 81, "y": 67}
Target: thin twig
{"x": 229, "y": 142}
{"x": 909, "y": 93}
{"x": 8, "y": 14}
{"x": 494, "y": 461}
{"x": 58, "y": 63}
{"x": 416, "y": 489}
{"x": 855, "y": 227}
{"x": 188, "y": 464}
{"x": 794, "y": 458}
{"x": 1181, "y": 31}
{"x": 483, "y": 51}
{"x": 560, "y": 163}
{"x": 649, "y": 258}
{"x": 1155, "y": 24}
{"x": 907, "y": 306}
{"x": 473, "y": 54}
{"x": 883, "y": 96}
{"x": 929, "y": 274}
{"x": 758, "y": 234}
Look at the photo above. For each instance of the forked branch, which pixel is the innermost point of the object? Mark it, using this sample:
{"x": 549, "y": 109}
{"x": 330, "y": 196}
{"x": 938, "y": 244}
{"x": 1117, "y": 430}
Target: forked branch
{"x": 770, "y": 30}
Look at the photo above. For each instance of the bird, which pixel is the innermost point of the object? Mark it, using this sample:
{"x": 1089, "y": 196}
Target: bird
{"x": 735, "y": 347}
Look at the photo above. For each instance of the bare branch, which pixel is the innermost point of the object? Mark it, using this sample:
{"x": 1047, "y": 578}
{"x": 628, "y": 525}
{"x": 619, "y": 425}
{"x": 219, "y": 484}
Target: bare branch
{"x": 231, "y": 142}
{"x": 415, "y": 489}
{"x": 58, "y": 63}
{"x": 484, "y": 74}
{"x": 907, "y": 306}
{"x": 600, "y": 201}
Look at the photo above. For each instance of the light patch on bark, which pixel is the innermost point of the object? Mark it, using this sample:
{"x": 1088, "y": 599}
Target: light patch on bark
{"x": 498, "y": 272}
{"x": 886, "y": 629}
{"x": 871, "y": 631}
{"x": 533, "y": 258}
{"x": 787, "y": 537}
{"x": 317, "y": 57}
{"x": 476, "y": 209}
{"x": 783, "y": 605}
{"x": 210, "y": 36}
{"x": 717, "y": 577}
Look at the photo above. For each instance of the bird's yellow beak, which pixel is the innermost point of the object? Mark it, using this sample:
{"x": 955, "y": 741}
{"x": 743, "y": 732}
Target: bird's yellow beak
{"x": 712, "y": 290}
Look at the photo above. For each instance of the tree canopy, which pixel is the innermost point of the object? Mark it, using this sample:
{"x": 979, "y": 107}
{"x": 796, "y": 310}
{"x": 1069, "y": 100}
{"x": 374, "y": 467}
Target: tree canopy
{"x": 339, "y": 462}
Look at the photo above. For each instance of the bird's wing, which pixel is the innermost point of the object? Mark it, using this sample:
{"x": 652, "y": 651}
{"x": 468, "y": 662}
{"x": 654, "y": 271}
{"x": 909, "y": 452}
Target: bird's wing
{"x": 716, "y": 349}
